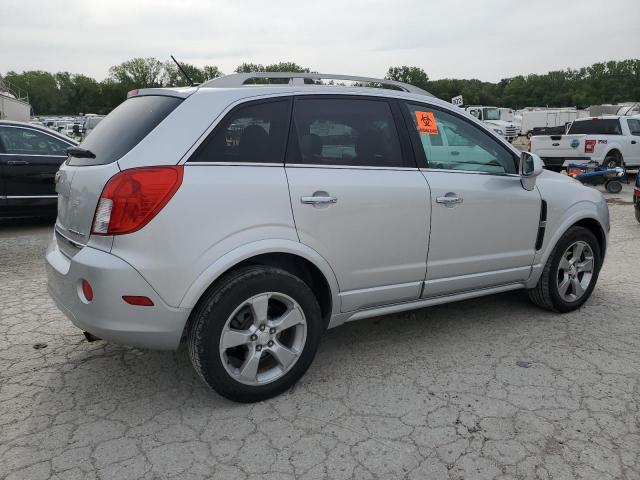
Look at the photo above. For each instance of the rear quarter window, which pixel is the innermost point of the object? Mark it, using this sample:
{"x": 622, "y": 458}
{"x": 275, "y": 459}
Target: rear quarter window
{"x": 608, "y": 126}
{"x": 125, "y": 127}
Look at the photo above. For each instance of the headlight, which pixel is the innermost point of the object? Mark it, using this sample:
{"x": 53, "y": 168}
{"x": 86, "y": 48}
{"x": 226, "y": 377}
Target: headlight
{"x": 498, "y": 131}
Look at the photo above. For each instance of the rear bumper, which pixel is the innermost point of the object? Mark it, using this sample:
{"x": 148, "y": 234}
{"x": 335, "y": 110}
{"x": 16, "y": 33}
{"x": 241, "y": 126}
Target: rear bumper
{"x": 107, "y": 316}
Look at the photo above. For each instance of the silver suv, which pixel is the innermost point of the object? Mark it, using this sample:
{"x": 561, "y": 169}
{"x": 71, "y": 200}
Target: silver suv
{"x": 245, "y": 218}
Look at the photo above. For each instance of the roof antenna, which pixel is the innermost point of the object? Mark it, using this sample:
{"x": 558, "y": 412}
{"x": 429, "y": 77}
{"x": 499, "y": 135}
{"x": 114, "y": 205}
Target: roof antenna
{"x": 183, "y": 72}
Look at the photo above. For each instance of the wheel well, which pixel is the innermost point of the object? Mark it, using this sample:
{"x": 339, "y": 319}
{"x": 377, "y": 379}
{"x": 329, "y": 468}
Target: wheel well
{"x": 615, "y": 152}
{"x": 594, "y": 227}
{"x": 301, "y": 268}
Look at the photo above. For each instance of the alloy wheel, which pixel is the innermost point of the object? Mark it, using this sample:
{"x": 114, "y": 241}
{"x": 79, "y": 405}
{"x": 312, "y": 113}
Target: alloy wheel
{"x": 575, "y": 271}
{"x": 263, "y": 338}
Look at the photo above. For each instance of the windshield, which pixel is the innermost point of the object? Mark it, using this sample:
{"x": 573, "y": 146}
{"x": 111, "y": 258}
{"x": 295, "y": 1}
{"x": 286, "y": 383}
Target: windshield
{"x": 117, "y": 133}
{"x": 491, "y": 114}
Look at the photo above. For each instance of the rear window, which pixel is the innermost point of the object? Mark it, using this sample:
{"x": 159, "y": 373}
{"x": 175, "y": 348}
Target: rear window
{"x": 609, "y": 126}
{"x": 125, "y": 127}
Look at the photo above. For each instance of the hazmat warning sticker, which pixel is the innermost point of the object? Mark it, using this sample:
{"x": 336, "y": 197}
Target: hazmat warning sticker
{"x": 426, "y": 123}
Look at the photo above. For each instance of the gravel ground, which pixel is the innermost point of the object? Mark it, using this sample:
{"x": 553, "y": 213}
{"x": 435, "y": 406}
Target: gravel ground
{"x": 488, "y": 388}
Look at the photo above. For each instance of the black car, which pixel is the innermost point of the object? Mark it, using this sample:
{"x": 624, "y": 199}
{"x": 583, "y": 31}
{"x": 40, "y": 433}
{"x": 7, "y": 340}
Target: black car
{"x": 29, "y": 159}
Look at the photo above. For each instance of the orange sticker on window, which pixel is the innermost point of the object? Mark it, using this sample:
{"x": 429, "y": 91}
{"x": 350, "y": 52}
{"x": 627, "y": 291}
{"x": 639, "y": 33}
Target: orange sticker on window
{"x": 426, "y": 123}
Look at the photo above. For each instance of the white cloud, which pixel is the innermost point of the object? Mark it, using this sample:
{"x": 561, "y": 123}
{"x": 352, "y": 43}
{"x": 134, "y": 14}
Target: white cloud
{"x": 486, "y": 39}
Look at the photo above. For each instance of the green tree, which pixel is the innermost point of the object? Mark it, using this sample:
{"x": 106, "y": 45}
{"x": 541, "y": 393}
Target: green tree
{"x": 42, "y": 89}
{"x": 139, "y": 73}
{"x": 412, "y": 75}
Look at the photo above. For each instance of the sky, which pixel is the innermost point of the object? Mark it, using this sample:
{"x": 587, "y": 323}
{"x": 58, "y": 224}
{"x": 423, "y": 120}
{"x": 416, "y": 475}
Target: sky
{"x": 484, "y": 39}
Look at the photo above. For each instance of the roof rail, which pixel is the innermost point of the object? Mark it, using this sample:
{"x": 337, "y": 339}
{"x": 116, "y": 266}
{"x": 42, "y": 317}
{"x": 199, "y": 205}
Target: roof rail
{"x": 297, "y": 78}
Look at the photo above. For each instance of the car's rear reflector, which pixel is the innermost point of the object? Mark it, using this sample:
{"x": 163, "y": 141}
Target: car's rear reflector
{"x": 131, "y": 198}
{"x": 87, "y": 291}
{"x": 138, "y": 300}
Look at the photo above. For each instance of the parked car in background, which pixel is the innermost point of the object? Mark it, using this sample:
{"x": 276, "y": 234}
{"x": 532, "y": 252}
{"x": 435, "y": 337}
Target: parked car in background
{"x": 30, "y": 156}
{"x": 248, "y": 218}
{"x": 611, "y": 141}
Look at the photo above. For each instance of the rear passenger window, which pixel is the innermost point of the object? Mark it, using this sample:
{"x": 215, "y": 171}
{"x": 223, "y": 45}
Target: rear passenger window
{"x": 452, "y": 143}
{"x": 24, "y": 141}
{"x": 354, "y": 132}
{"x": 598, "y": 126}
{"x": 253, "y": 133}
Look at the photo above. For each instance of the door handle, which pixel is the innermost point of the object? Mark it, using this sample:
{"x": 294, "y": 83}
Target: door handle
{"x": 633, "y": 142}
{"x": 17, "y": 162}
{"x": 318, "y": 200}
{"x": 455, "y": 153}
{"x": 449, "y": 200}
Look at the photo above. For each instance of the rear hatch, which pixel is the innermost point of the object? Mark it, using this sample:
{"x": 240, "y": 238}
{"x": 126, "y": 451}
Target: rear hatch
{"x": 558, "y": 146}
{"x": 84, "y": 174}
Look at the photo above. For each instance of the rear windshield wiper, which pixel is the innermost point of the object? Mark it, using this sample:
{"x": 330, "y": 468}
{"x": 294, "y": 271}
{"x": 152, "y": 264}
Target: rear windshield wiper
{"x": 79, "y": 152}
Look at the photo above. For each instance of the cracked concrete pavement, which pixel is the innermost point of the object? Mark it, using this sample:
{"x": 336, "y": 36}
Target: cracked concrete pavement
{"x": 490, "y": 388}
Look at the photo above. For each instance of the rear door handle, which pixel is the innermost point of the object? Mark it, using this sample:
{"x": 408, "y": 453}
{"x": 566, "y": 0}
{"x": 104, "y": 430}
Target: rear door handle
{"x": 17, "y": 162}
{"x": 449, "y": 200}
{"x": 318, "y": 200}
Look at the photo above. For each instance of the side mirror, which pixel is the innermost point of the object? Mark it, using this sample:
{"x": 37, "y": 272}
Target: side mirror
{"x": 531, "y": 165}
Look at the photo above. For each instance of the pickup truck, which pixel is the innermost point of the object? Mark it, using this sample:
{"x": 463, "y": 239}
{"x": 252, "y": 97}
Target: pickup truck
{"x": 610, "y": 140}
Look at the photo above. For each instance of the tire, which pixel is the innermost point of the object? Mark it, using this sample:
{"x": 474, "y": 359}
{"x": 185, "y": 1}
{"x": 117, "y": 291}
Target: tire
{"x": 547, "y": 293}
{"x": 613, "y": 186}
{"x": 232, "y": 308}
{"x": 637, "y": 213}
{"x": 529, "y": 135}
{"x": 612, "y": 161}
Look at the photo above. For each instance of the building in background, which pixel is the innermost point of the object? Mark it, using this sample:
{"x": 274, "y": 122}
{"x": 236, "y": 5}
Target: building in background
{"x": 14, "y": 103}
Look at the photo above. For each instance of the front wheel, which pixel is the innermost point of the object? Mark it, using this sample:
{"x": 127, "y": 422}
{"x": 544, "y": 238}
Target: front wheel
{"x": 571, "y": 272}
{"x": 255, "y": 333}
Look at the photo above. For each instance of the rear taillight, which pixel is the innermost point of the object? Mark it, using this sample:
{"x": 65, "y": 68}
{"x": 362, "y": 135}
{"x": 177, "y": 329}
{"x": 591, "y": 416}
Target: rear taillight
{"x": 131, "y": 198}
{"x": 589, "y": 146}
{"x": 529, "y": 146}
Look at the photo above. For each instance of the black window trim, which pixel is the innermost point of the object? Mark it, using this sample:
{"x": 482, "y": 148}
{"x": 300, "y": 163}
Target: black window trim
{"x": 420, "y": 154}
{"x": 228, "y": 114}
{"x": 55, "y": 137}
{"x": 406, "y": 150}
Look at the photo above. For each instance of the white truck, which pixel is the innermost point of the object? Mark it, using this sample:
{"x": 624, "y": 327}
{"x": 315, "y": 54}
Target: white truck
{"x": 546, "y": 118}
{"x": 610, "y": 140}
{"x": 492, "y": 117}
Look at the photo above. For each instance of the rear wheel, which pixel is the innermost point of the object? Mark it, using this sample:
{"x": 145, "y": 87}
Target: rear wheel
{"x": 637, "y": 213}
{"x": 612, "y": 161}
{"x": 571, "y": 272}
{"x": 613, "y": 186}
{"x": 255, "y": 333}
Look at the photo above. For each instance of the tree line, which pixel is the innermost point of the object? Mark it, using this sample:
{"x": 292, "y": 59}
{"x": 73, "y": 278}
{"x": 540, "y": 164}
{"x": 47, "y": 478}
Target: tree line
{"x": 70, "y": 93}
